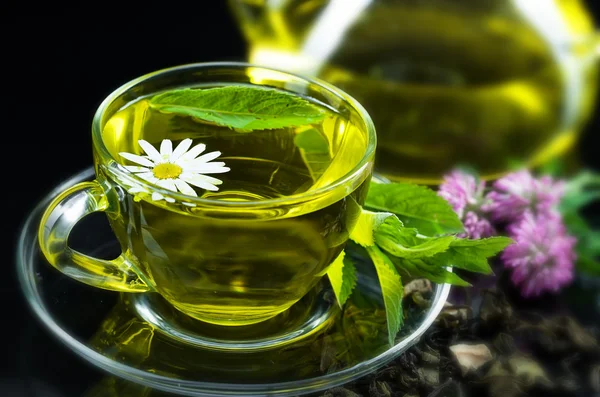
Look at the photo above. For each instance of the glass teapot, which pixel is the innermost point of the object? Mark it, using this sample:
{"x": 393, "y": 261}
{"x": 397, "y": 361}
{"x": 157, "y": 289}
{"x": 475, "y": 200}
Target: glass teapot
{"x": 484, "y": 84}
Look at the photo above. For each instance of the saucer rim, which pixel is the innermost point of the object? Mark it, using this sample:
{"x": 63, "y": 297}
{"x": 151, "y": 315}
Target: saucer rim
{"x": 28, "y": 235}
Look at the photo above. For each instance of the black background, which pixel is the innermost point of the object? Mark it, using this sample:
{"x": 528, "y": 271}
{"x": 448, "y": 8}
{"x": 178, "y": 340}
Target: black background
{"x": 57, "y": 56}
{"x": 67, "y": 56}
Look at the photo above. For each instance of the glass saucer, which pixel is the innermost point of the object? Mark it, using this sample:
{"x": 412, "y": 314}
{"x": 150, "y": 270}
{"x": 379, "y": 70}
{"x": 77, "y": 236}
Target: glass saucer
{"x": 117, "y": 333}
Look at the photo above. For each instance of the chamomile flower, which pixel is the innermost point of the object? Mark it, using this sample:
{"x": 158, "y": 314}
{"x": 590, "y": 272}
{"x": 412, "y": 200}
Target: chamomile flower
{"x": 176, "y": 169}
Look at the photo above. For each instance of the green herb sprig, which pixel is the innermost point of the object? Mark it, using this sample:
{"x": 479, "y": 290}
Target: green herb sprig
{"x": 427, "y": 249}
{"x": 243, "y": 108}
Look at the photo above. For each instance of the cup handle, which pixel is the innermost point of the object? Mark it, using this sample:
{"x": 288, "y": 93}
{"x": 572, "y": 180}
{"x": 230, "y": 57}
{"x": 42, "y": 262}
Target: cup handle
{"x": 58, "y": 220}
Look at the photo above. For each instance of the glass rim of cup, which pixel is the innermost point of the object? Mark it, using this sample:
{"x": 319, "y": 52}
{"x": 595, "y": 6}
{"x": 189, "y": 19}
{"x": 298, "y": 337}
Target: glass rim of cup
{"x": 122, "y": 174}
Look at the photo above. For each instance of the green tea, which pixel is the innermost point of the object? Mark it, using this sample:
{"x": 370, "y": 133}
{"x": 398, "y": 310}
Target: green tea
{"x": 234, "y": 265}
{"x": 482, "y": 84}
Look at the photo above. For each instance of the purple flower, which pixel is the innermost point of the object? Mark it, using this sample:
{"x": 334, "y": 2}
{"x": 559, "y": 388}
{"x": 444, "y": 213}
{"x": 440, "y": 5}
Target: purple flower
{"x": 466, "y": 196}
{"x": 542, "y": 257}
{"x": 476, "y": 227}
{"x": 519, "y": 192}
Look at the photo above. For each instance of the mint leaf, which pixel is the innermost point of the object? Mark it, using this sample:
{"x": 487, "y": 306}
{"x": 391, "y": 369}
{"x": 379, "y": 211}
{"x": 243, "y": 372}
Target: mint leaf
{"x": 588, "y": 242}
{"x": 240, "y": 107}
{"x": 312, "y": 141}
{"x": 470, "y": 255}
{"x": 554, "y": 167}
{"x": 473, "y": 255}
{"x": 406, "y": 243}
{"x": 342, "y": 276}
{"x": 580, "y": 191}
{"x": 588, "y": 239}
{"x": 416, "y": 206}
{"x": 392, "y": 290}
{"x": 431, "y": 269}
{"x": 588, "y": 265}
{"x": 314, "y": 149}
{"x": 364, "y": 226}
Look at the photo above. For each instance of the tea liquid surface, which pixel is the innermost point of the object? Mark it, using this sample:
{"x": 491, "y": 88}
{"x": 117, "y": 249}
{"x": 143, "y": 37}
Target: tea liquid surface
{"x": 239, "y": 271}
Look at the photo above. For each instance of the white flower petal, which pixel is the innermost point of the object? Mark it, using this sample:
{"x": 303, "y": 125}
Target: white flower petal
{"x": 194, "y": 152}
{"x": 205, "y": 158}
{"x": 137, "y": 159}
{"x": 157, "y": 196}
{"x": 166, "y": 148}
{"x": 193, "y": 164}
{"x": 208, "y": 169}
{"x": 181, "y": 149}
{"x": 170, "y": 199}
{"x": 186, "y": 176}
{"x": 201, "y": 181}
{"x": 185, "y": 188}
{"x": 136, "y": 169}
{"x": 167, "y": 184}
{"x": 150, "y": 151}
{"x": 188, "y": 204}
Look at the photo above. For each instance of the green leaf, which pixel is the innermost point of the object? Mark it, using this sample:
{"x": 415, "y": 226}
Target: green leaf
{"x": 416, "y": 206}
{"x": 553, "y": 167}
{"x": 588, "y": 242}
{"x": 367, "y": 222}
{"x": 580, "y": 191}
{"x": 473, "y": 255}
{"x": 392, "y": 290}
{"x": 313, "y": 141}
{"x": 314, "y": 149}
{"x": 470, "y": 255}
{"x": 429, "y": 268}
{"x": 406, "y": 243}
{"x": 588, "y": 265}
{"x": 240, "y": 107}
{"x": 342, "y": 276}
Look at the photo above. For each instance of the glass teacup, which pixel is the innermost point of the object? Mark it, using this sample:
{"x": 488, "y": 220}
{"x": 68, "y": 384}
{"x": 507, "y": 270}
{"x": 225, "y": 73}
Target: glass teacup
{"x": 232, "y": 251}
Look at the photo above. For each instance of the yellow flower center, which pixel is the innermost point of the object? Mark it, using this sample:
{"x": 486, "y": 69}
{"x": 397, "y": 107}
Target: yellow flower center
{"x": 167, "y": 171}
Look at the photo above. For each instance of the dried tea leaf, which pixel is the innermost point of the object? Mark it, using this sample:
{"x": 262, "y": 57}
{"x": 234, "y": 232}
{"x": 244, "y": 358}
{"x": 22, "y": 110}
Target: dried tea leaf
{"x": 462, "y": 313}
{"x": 560, "y": 334}
{"x": 471, "y": 357}
{"x": 504, "y": 343}
{"x": 495, "y": 310}
{"x": 420, "y": 300}
{"x": 595, "y": 378}
{"x": 340, "y": 392}
{"x": 449, "y": 388}
{"x": 328, "y": 355}
{"x": 506, "y": 387}
{"x": 421, "y": 285}
{"x": 569, "y": 383}
{"x": 429, "y": 355}
{"x": 453, "y": 316}
{"x": 580, "y": 337}
{"x": 497, "y": 369}
{"x": 380, "y": 389}
{"x": 529, "y": 371}
{"x": 431, "y": 376}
